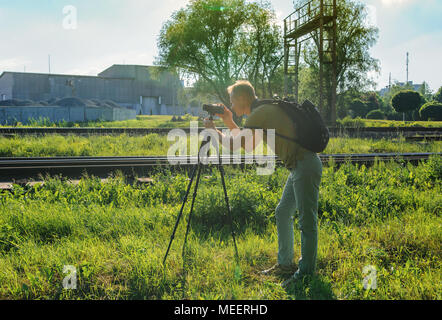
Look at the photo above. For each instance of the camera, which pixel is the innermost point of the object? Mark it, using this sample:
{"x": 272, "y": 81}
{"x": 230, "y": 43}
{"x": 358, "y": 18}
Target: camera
{"x": 212, "y": 109}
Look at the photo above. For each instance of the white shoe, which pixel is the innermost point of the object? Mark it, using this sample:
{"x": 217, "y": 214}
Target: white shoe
{"x": 278, "y": 269}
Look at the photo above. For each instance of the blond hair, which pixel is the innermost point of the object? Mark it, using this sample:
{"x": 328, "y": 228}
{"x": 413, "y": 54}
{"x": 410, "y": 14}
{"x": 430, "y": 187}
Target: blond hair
{"x": 242, "y": 87}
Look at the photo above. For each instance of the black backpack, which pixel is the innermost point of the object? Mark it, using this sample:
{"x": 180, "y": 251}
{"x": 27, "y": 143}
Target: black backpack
{"x": 310, "y": 129}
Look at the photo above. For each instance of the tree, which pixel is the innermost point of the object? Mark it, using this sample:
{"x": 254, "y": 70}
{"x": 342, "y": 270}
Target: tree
{"x": 393, "y": 90}
{"x": 431, "y": 111}
{"x": 425, "y": 91}
{"x": 376, "y": 114}
{"x": 264, "y": 44}
{"x": 372, "y": 101}
{"x": 354, "y": 40}
{"x": 438, "y": 95}
{"x": 359, "y": 108}
{"x": 344, "y": 101}
{"x": 221, "y": 41}
{"x": 406, "y": 101}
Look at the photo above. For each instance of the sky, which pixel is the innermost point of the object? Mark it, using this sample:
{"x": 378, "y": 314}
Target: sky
{"x": 88, "y": 36}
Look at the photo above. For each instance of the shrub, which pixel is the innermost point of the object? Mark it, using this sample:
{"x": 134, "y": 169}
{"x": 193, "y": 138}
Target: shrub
{"x": 431, "y": 110}
{"x": 406, "y": 100}
{"x": 416, "y": 115}
{"x": 348, "y": 122}
{"x": 394, "y": 116}
{"x": 376, "y": 114}
{"x": 358, "y": 108}
{"x": 187, "y": 117}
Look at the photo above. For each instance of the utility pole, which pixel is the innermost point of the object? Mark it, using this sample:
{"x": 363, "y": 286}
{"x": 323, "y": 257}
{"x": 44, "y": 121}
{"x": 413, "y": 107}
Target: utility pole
{"x": 49, "y": 63}
{"x": 407, "y": 67}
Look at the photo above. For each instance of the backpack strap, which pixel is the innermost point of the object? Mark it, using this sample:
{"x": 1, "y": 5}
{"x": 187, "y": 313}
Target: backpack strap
{"x": 257, "y": 103}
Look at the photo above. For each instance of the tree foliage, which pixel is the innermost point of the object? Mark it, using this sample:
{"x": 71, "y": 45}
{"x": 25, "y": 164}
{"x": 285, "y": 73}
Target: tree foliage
{"x": 221, "y": 41}
{"x": 438, "y": 95}
{"x": 431, "y": 111}
{"x": 406, "y": 100}
{"x": 359, "y": 108}
{"x": 354, "y": 39}
{"x": 425, "y": 91}
{"x": 376, "y": 114}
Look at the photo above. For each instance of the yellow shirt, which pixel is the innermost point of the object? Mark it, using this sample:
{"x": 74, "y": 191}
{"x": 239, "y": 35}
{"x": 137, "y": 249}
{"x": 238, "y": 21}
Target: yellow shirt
{"x": 269, "y": 116}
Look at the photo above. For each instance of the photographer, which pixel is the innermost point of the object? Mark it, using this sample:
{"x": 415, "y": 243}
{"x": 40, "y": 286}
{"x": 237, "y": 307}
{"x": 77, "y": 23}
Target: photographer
{"x": 301, "y": 190}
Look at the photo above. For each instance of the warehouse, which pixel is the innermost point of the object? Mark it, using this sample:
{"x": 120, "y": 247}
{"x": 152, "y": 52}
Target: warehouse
{"x": 146, "y": 90}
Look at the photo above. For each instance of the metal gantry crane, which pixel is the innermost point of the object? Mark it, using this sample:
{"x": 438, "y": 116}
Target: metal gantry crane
{"x": 304, "y": 24}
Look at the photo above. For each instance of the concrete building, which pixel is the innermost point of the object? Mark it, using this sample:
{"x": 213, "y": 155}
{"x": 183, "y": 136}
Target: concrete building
{"x": 414, "y": 86}
{"x": 144, "y": 89}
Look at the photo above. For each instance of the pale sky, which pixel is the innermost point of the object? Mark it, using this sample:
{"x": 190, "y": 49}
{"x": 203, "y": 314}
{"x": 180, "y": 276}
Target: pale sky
{"x": 110, "y": 32}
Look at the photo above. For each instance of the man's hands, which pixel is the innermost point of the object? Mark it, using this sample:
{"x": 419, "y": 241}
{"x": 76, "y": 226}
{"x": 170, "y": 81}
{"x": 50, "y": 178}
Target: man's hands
{"x": 227, "y": 118}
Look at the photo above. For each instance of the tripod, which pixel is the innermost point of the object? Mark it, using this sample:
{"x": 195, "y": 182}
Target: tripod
{"x": 197, "y": 168}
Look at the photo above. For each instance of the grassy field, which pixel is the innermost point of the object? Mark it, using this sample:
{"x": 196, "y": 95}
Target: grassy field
{"x": 158, "y": 121}
{"x": 154, "y": 121}
{"x": 155, "y": 145}
{"x": 387, "y": 216}
{"x": 358, "y": 123}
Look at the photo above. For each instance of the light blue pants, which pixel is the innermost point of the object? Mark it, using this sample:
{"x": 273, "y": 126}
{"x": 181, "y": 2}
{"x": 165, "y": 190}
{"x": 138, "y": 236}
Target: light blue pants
{"x": 301, "y": 192}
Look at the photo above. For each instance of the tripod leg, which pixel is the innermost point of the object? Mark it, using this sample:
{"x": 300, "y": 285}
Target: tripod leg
{"x": 180, "y": 214}
{"x": 190, "y": 216}
{"x": 185, "y": 199}
{"x": 221, "y": 170}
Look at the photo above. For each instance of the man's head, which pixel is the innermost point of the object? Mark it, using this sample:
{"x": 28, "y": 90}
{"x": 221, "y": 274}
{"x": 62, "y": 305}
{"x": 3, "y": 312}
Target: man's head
{"x": 242, "y": 94}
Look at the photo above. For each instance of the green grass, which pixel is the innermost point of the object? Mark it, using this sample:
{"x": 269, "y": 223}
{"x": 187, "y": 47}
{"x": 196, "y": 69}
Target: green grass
{"x": 164, "y": 121}
{"x": 358, "y": 123}
{"x": 141, "y": 121}
{"x": 116, "y": 235}
{"x": 156, "y": 145}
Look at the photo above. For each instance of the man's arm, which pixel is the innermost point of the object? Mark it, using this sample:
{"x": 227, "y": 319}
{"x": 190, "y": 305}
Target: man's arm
{"x": 228, "y": 121}
{"x": 248, "y": 139}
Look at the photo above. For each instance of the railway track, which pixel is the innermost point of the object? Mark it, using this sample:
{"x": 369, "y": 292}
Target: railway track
{"x": 12, "y": 169}
{"x": 334, "y": 131}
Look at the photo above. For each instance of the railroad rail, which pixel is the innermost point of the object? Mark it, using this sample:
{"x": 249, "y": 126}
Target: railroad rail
{"x": 12, "y": 169}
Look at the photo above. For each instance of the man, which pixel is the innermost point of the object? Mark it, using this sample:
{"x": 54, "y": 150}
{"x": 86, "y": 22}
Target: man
{"x": 301, "y": 190}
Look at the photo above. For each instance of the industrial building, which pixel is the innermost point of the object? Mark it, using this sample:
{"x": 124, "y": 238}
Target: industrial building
{"x": 146, "y": 90}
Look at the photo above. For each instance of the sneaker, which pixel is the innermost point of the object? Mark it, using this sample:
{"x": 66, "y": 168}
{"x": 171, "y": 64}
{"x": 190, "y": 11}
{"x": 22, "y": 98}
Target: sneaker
{"x": 278, "y": 269}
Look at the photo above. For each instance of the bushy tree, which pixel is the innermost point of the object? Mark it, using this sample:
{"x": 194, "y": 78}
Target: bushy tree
{"x": 359, "y": 108}
{"x": 387, "y": 100}
{"x": 376, "y": 114}
{"x": 221, "y": 41}
{"x": 344, "y": 101}
{"x": 372, "y": 101}
{"x": 431, "y": 111}
{"x": 406, "y": 101}
{"x": 354, "y": 40}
